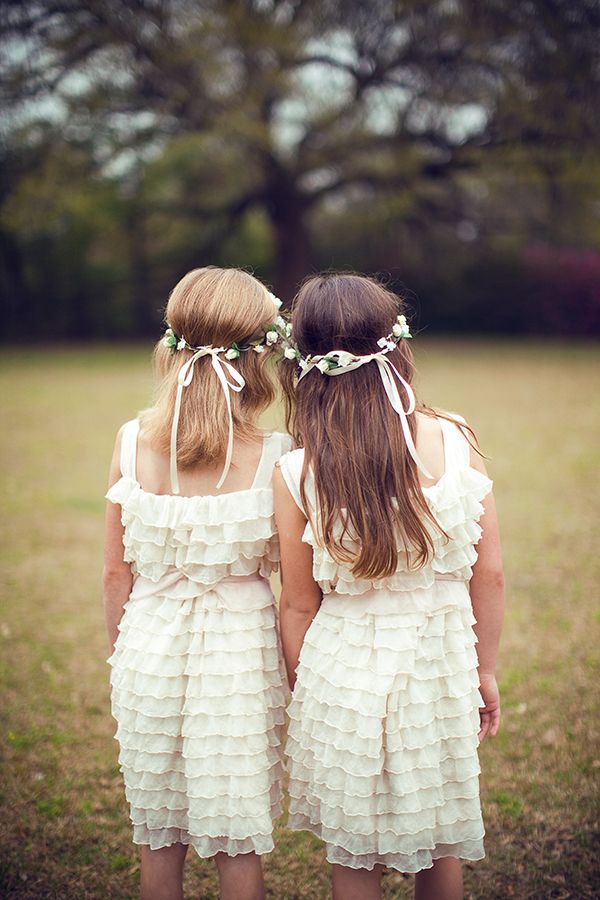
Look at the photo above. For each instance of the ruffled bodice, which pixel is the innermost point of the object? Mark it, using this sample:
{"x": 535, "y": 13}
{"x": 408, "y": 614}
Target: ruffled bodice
{"x": 455, "y": 501}
{"x": 206, "y": 538}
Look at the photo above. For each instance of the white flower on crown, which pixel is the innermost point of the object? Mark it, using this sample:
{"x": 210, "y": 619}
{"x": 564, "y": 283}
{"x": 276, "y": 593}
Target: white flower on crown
{"x": 275, "y": 299}
{"x": 401, "y": 329}
{"x": 182, "y": 344}
{"x": 280, "y": 322}
{"x": 258, "y": 348}
{"x": 290, "y": 353}
{"x": 304, "y": 364}
{"x": 271, "y": 337}
{"x": 232, "y": 353}
{"x": 344, "y": 359}
{"x": 382, "y": 342}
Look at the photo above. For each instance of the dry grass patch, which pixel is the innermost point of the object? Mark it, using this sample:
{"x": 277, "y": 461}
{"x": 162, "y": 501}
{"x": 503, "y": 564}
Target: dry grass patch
{"x": 64, "y": 830}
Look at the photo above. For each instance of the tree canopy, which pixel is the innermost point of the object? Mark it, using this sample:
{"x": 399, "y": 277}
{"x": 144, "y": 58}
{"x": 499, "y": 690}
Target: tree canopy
{"x": 268, "y": 122}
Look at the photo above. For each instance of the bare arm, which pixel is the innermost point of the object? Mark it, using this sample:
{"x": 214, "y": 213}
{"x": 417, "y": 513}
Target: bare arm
{"x": 300, "y": 594}
{"x": 487, "y": 597}
{"x": 116, "y": 577}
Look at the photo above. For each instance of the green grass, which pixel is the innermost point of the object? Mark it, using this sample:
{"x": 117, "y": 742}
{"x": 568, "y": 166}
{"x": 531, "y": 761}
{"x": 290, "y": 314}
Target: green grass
{"x": 64, "y": 829}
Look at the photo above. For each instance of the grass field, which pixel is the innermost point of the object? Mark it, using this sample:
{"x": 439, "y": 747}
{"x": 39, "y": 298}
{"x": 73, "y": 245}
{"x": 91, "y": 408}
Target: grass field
{"x": 64, "y": 830}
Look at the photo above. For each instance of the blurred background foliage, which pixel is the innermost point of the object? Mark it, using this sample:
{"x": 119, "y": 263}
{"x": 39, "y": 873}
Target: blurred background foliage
{"x": 450, "y": 145}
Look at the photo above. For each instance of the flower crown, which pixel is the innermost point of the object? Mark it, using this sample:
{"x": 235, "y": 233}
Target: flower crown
{"x": 275, "y": 333}
{"x": 337, "y": 362}
{"x": 343, "y": 359}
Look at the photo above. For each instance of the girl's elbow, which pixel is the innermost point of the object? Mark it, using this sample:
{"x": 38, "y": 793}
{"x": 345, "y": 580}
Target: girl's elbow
{"x": 492, "y": 574}
{"x": 496, "y": 577}
{"x": 115, "y": 576}
{"x": 298, "y": 603}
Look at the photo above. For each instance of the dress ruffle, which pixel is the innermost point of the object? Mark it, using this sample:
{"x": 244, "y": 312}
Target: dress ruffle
{"x": 205, "y": 538}
{"x": 455, "y": 501}
{"x": 382, "y": 738}
{"x": 197, "y": 692}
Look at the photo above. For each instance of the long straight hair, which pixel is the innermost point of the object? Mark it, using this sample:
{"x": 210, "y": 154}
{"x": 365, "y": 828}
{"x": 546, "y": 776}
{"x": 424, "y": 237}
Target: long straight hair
{"x": 364, "y": 476}
{"x": 211, "y": 306}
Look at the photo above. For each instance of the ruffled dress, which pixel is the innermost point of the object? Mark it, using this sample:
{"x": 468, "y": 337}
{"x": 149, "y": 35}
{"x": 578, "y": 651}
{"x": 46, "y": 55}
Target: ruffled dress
{"x": 197, "y": 677}
{"x": 382, "y": 739}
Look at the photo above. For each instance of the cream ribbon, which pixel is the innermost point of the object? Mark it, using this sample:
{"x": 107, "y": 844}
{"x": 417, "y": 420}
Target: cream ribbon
{"x": 386, "y": 368}
{"x": 184, "y": 378}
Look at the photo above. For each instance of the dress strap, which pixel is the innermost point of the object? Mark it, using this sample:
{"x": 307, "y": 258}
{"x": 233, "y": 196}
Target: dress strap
{"x": 275, "y": 445}
{"x": 129, "y": 437}
{"x": 456, "y": 445}
{"x": 291, "y": 469}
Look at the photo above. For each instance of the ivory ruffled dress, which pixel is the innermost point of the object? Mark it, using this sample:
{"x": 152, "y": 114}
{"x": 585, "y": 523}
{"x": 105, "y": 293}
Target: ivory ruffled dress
{"x": 197, "y": 677}
{"x": 382, "y": 739}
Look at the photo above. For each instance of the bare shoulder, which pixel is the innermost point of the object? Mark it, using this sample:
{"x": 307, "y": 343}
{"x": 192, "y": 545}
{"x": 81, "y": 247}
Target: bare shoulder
{"x": 428, "y": 421}
{"x": 145, "y": 444}
{"x": 476, "y": 458}
{"x": 435, "y": 414}
{"x": 292, "y": 459}
{"x": 429, "y": 424}
{"x": 119, "y": 438}
{"x": 283, "y": 501}
{"x": 115, "y": 463}
{"x": 429, "y": 429}
{"x": 125, "y": 426}
{"x": 281, "y": 490}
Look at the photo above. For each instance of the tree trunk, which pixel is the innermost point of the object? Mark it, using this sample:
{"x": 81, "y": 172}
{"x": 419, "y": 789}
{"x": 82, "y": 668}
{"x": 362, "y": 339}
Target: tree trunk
{"x": 17, "y": 317}
{"x": 143, "y": 316}
{"x": 287, "y": 210}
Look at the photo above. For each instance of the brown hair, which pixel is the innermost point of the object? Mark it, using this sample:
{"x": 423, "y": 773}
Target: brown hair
{"x": 352, "y": 437}
{"x": 218, "y": 307}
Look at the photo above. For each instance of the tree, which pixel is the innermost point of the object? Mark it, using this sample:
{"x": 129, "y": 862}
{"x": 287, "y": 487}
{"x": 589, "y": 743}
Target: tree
{"x": 295, "y": 103}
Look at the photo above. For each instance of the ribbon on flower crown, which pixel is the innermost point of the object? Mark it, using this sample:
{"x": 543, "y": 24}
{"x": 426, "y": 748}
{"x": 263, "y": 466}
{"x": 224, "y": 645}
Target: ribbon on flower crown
{"x": 347, "y": 362}
{"x": 184, "y": 378}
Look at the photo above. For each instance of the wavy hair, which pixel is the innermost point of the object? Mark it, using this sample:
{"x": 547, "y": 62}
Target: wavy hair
{"x": 363, "y": 473}
{"x": 217, "y": 307}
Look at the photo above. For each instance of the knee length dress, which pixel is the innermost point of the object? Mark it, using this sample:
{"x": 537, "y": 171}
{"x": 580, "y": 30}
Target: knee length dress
{"x": 196, "y": 673}
{"x": 382, "y": 739}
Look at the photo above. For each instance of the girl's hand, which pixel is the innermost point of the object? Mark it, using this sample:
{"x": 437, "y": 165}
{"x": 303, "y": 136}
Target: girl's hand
{"x": 300, "y": 594}
{"x": 490, "y": 713}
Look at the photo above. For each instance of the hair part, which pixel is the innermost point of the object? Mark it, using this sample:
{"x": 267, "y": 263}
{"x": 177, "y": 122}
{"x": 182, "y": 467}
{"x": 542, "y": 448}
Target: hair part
{"x": 353, "y": 439}
{"x": 217, "y": 307}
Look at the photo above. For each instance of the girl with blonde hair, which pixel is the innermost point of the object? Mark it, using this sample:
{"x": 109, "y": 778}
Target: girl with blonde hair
{"x": 391, "y": 572}
{"x": 197, "y": 683}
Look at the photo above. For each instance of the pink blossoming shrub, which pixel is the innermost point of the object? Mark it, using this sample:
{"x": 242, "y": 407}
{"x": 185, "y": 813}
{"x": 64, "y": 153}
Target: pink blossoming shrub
{"x": 562, "y": 290}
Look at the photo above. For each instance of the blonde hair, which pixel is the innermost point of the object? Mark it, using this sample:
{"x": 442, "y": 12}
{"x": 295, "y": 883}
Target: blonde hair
{"x": 218, "y": 307}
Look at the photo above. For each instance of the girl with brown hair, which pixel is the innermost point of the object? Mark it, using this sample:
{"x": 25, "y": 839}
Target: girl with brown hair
{"x": 197, "y": 678}
{"x": 384, "y": 596}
